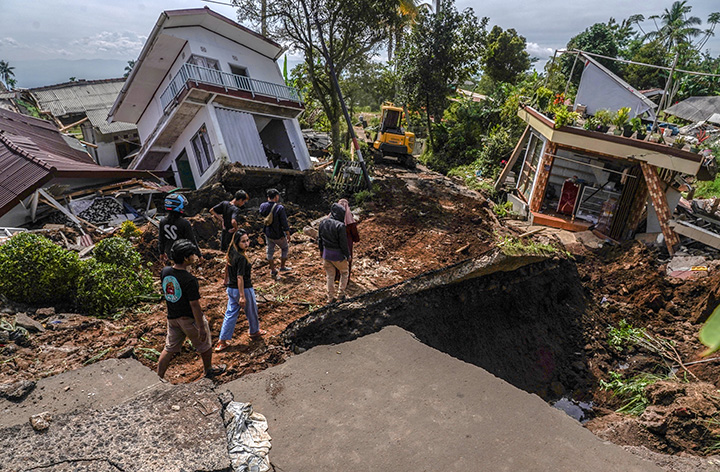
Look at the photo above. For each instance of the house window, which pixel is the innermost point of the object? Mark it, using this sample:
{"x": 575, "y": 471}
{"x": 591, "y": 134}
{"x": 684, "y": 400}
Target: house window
{"x": 239, "y": 70}
{"x": 202, "y": 149}
{"x": 206, "y": 62}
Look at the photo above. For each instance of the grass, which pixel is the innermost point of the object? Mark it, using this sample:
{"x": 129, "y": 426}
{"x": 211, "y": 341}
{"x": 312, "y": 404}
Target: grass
{"x": 708, "y": 189}
{"x": 625, "y": 334}
{"x": 511, "y": 246}
{"x": 631, "y": 391}
{"x": 149, "y": 353}
{"x": 97, "y": 357}
{"x": 468, "y": 173}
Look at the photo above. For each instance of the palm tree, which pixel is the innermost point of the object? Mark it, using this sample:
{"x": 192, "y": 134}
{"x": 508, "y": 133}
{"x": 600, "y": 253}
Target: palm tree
{"x": 408, "y": 11}
{"x": 6, "y": 72}
{"x": 677, "y": 27}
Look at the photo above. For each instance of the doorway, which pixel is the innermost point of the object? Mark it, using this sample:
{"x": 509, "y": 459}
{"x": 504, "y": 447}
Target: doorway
{"x": 183, "y": 168}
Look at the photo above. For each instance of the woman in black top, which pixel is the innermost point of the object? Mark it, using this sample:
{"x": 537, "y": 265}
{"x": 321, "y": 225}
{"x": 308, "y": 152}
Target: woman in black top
{"x": 240, "y": 291}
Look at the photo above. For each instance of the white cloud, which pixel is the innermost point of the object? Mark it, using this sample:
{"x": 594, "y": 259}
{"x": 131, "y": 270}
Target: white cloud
{"x": 108, "y": 44}
{"x": 8, "y": 42}
{"x": 535, "y": 50}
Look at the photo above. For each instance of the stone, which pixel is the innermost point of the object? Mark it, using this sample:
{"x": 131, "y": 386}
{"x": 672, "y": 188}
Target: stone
{"x": 41, "y": 421}
{"x": 45, "y": 312}
{"x": 311, "y": 232}
{"x": 16, "y": 392}
{"x": 23, "y": 320}
{"x": 126, "y": 353}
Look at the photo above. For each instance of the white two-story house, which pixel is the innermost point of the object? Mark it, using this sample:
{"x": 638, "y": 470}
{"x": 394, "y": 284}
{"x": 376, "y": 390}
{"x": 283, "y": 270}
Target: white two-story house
{"x": 205, "y": 90}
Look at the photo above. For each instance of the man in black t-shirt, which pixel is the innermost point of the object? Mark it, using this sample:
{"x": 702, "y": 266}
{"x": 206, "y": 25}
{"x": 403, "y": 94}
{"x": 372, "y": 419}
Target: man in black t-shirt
{"x": 227, "y": 211}
{"x": 185, "y": 316}
{"x": 174, "y": 227}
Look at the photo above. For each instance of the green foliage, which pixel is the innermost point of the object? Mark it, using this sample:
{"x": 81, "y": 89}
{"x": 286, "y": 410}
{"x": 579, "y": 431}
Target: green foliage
{"x": 440, "y": 53}
{"x": 517, "y": 247}
{"x": 625, "y": 334}
{"x": 505, "y": 58}
{"x": 606, "y": 117}
{"x": 709, "y": 189}
{"x": 622, "y": 117}
{"x": 104, "y": 287}
{"x": 710, "y": 332}
{"x": 129, "y": 230}
{"x": 117, "y": 251}
{"x": 543, "y": 98}
{"x": 636, "y": 124}
{"x": 643, "y": 77}
{"x": 600, "y": 39}
{"x": 565, "y": 117}
{"x": 631, "y": 391}
{"x": 592, "y": 123}
{"x": 504, "y": 210}
{"x": 37, "y": 271}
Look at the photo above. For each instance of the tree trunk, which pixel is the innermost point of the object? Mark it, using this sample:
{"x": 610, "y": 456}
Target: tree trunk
{"x": 390, "y": 44}
{"x": 429, "y": 125}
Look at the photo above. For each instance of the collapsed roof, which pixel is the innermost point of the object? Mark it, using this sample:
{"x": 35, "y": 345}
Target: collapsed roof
{"x": 695, "y": 109}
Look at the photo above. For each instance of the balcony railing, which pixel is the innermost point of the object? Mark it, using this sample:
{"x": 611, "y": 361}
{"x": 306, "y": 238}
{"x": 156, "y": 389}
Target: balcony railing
{"x": 197, "y": 74}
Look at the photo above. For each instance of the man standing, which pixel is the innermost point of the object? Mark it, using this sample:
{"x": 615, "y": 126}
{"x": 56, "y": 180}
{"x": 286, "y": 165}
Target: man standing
{"x": 174, "y": 227}
{"x": 277, "y": 231}
{"x": 227, "y": 211}
{"x": 333, "y": 244}
{"x": 185, "y": 317}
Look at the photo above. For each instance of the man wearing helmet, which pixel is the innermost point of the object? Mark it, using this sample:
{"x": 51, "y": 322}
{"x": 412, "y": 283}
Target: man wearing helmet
{"x": 227, "y": 211}
{"x": 174, "y": 227}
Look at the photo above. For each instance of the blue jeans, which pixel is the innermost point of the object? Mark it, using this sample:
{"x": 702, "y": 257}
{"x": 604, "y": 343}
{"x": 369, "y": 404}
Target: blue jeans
{"x": 233, "y": 309}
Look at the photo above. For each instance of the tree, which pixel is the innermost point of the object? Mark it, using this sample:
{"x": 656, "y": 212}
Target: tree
{"x": 6, "y": 73}
{"x": 128, "y": 69}
{"x": 505, "y": 57}
{"x": 351, "y": 29}
{"x": 601, "y": 39}
{"x": 643, "y": 77}
{"x": 676, "y": 26}
{"x": 442, "y": 51}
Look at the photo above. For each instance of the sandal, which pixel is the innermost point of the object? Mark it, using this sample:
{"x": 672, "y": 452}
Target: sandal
{"x": 221, "y": 346}
{"x": 259, "y": 334}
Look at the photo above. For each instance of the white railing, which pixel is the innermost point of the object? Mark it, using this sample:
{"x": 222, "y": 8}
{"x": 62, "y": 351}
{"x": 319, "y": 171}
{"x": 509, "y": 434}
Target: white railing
{"x": 192, "y": 73}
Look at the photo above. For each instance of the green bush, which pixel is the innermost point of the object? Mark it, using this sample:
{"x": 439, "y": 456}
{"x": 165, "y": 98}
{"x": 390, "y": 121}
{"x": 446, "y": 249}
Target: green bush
{"x": 37, "y": 271}
{"x": 117, "y": 251}
{"x": 129, "y": 230}
{"x": 104, "y": 287}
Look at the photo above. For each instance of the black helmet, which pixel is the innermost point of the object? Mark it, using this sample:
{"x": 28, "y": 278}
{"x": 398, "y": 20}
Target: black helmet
{"x": 175, "y": 202}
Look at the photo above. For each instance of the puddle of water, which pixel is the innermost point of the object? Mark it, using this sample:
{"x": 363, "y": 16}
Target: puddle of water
{"x": 573, "y": 408}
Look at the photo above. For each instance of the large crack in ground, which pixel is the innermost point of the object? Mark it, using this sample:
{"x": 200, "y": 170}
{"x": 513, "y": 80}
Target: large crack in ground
{"x": 524, "y": 325}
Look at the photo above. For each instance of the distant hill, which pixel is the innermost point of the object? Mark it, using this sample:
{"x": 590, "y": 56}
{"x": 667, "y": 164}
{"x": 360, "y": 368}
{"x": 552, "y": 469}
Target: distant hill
{"x": 31, "y": 74}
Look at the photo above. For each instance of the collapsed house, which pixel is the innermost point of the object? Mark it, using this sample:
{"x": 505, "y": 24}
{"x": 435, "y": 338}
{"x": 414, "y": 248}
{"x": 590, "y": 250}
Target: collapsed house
{"x": 85, "y": 103}
{"x": 206, "y": 90}
{"x": 576, "y": 179}
{"x": 42, "y": 174}
{"x": 697, "y": 109}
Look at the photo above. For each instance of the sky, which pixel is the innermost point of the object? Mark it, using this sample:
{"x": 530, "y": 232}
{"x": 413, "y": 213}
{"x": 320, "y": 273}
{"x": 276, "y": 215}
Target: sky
{"x": 49, "y": 41}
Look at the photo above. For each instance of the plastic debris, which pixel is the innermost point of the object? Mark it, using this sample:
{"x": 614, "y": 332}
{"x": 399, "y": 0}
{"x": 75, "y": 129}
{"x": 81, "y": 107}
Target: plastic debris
{"x": 247, "y": 436}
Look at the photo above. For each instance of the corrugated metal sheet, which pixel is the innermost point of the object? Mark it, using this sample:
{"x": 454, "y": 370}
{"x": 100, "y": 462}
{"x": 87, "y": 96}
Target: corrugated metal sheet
{"x": 302, "y": 156}
{"x": 78, "y": 97}
{"x": 98, "y": 118}
{"x": 241, "y": 137}
{"x": 695, "y": 108}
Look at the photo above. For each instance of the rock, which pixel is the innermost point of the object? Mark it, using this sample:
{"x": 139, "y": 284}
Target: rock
{"x": 4, "y": 337}
{"x": 23, "y": 320}
{"x": 7, "y": 310}
{"x": 311, "y": 232}
{"x": 20, "y": 338}
{"x": 16, "y": 392}
{"x": 126, "y": 353}
{"x": 315, "y": 180}
{"x": 45, "y": 312}
{"x": 41, "y": 421}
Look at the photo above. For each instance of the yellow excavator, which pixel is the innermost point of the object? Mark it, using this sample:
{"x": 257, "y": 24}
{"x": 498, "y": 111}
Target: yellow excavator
{"x": 392, "y": 140}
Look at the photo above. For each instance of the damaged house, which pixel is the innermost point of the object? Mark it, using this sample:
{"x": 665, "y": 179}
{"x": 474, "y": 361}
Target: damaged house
{"x": 577, "y": 179}
{"x": 86, "y": 103}
{"x": 206, "y": 90}
{"x": 40, "y": 171}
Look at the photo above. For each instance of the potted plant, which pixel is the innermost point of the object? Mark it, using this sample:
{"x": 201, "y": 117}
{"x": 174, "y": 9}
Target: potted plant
{"x": 565, "y": 117}
{"x": 606, "y": 118}
{"x": 621, "y": 119}
{"x": 638, "y": 127}
{"x": 592, "y": 124}
{"x": 679, "y": 142}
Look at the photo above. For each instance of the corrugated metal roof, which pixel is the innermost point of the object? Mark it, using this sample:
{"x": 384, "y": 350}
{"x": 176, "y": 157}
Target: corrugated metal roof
{"x": 33, "y": 151}
{"x": 695, "y": 108}
{"x": 78, "y": 97}
{"x": 98, "y": 118}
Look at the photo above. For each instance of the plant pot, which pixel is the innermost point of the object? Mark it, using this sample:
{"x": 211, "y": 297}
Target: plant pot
{"x": 694, "y": 149}
{"x": 641, "y": 136}
{"x": 678, "y": 145}
{"x": 627, "y": 132}
{"x": 604, "y": 129}
{"x": 617, "y": 131}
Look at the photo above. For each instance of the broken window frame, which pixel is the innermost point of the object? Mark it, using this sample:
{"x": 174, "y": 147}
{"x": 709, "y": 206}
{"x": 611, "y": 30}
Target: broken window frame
{"x": 202, "y": 148}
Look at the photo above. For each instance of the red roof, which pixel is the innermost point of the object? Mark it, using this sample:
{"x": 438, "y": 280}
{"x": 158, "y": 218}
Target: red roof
{"x": 32, "y": 152}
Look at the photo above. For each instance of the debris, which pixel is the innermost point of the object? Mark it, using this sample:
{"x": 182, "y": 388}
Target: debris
{"x": 126, "y": 353}
{"x": 16, "y": 392}
{"x": 41, "y": 421}
{"x": 247, "y": 436}
{"x": 463, "y": 248}
{"x": 175, "y": 408}
{"x": 24, "y": 321}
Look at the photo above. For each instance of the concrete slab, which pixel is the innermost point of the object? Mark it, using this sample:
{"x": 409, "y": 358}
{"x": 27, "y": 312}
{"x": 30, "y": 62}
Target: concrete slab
{"x": 168, "y": 428}
{"x": 98, "y": 386}
{"x": 388, "y": 402}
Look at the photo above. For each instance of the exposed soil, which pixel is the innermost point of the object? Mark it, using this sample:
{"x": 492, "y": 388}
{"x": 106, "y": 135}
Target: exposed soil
{"x": 543, "y": 328}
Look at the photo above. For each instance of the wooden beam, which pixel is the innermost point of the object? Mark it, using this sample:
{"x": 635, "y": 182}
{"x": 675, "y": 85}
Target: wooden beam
{"x": 543, "y": 177}
{"x": 52, "y": 202}
{"x": 659, "y": 201}
{"x": 33, "y": 205}
{"x": 72, "y": 125}
{"x": 94, "y": 146}
{"x": 513, "y": 158}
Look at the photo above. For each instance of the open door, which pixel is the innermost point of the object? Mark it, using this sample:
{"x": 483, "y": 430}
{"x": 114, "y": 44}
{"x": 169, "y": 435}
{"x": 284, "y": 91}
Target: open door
{"x": 185, "y": 171}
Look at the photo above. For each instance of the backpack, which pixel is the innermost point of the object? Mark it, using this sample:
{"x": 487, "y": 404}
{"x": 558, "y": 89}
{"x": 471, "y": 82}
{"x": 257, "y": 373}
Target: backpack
{"x": 269, "y": 218}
